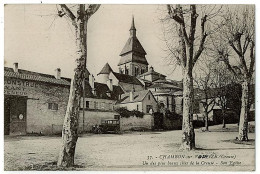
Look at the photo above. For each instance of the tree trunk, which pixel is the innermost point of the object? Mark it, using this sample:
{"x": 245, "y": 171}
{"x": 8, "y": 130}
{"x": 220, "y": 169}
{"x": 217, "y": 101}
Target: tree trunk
{"x": 70, "y": 125}
{"x": 224, "y": 116}
{"x": 188, "y": 134}
{"x": 206, "y": 120}
{"x": 243, "y": 124}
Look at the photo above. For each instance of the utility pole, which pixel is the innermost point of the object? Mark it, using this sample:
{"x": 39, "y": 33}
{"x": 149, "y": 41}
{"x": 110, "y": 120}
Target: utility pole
{"x": 71, "y": 120}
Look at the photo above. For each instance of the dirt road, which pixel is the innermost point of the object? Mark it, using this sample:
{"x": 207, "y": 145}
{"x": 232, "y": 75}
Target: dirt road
{"x": 137, "y": 150}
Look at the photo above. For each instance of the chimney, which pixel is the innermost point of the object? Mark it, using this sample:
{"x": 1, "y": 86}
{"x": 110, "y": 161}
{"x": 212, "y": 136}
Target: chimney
{"x": 110, "y": 84}
{"x": 58, "y": 71}
{"x": 16, "y": 67}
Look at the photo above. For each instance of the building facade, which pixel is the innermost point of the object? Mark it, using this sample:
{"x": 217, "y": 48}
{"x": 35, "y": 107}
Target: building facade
{"x": 33, "y": 102}
{"x": 142, "y": 101}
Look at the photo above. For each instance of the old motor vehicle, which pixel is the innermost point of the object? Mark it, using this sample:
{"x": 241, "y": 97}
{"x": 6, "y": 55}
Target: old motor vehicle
{"x": 107, "y": 126}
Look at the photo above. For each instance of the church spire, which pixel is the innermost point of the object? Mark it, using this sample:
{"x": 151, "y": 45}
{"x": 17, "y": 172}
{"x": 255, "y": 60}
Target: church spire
{"x": 133, "y": 29}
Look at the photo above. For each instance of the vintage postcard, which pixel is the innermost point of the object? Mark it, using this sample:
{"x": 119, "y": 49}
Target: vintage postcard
{"x": 159, "y": 87}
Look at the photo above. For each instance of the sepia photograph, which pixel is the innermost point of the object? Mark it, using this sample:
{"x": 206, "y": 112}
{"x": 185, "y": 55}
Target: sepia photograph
{"x": 129, "y": 87}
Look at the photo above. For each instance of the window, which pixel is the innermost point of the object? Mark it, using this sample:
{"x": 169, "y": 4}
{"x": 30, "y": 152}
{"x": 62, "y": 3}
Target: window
{"x": 116, "y": 117}
{"x": 137, "y": 107}
{"x": 149, "y": 97}
{"x": 87, "y": 104}
{"x": 53, "y": 106}
{"x": 103, "y": 105}
{"x": 142, "y": 71}
{"x": 136, "y": 70}
{"x": 126, "y": 71}
{"x": 95, "y": 105}
{"x": 148, "y": 108}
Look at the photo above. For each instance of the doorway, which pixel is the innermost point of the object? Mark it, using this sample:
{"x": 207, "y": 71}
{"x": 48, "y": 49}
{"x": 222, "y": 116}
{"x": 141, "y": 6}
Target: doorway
{"x": 15, "y": 115}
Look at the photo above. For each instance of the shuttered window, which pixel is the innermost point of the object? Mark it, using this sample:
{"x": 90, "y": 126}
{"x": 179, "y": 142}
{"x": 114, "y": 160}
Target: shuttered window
{"x": 53, "y": 106}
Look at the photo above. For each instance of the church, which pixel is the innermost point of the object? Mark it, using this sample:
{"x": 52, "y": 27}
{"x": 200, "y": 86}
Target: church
{"x": 134, "y": 75}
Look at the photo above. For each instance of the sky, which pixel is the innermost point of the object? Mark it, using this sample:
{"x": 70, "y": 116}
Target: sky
{"x": 40, "y": 41}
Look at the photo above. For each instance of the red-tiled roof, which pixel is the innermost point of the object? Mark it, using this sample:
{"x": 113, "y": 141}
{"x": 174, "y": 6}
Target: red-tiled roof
{"x": 34, "y": 76}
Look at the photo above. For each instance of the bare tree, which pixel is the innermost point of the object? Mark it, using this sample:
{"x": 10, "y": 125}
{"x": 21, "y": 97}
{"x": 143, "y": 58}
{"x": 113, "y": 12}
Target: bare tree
{"x": 238, "y": 34}
{"x": 221, "y": 83}
{"x": 205, "y": 83}
{"x": 70, "y": 125}
{"x": 191, "y": 37}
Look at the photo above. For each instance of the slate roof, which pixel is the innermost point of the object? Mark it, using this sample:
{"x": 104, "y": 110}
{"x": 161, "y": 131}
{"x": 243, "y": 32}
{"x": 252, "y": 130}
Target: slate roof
{"x": 106, "y": 69}
{"x": 164, "y": 85}
{"x": 153, "y": 73}
{"x": 127, "y": 79}
{"x": 34, "y": 76}
{"x": 101, "y": 91}
{"x": 137, "y": 97}
{"x": 133, "y": 45}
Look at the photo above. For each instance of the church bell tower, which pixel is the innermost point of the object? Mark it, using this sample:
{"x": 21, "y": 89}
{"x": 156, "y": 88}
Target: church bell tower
{"x": 133, "y": 61}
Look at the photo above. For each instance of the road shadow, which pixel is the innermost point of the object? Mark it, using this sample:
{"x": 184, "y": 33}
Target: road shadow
{"x": 50, "y": 166}
{"x": 216, "y": 149}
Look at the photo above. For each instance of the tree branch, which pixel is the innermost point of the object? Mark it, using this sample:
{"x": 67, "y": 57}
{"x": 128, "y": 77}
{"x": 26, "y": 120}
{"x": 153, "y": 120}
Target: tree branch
{"x": 174, "y": 15}
{"x": 252, "y": 57}
{"x": 247, "y": 41}
{"x": 213, "y": 105}
{"x": 67, "y": 11}
{"x": 92, "y": 8}
{"x": 177, "y": 15}
{"x": 234, "y": 48}
{"x": 193, "y": 22}
{"x": 202, "y": 41}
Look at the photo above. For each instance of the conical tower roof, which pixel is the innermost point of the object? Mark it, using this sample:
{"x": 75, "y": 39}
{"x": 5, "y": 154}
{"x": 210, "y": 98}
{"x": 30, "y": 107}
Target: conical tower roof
{"x": 106, "y": 69}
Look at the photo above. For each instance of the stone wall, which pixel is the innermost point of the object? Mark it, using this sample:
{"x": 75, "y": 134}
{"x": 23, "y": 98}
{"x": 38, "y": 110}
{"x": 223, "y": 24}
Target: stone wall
{"x": 147, "y": 122}
{"x": 93, "y": 118}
